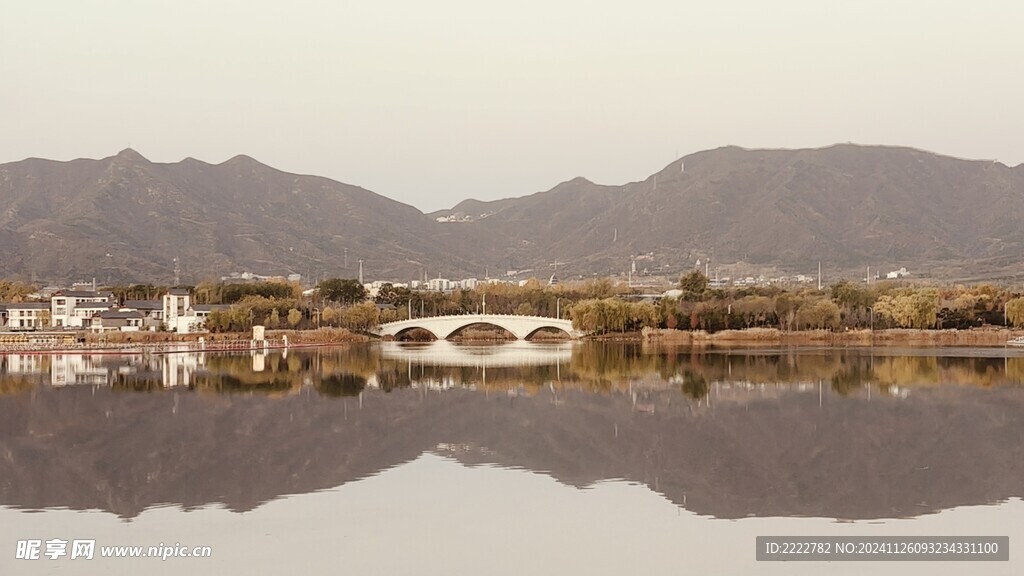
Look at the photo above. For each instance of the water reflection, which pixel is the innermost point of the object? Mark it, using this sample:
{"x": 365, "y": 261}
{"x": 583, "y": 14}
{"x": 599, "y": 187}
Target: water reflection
{"x": 594, "y": 367}
{"x": 828, "y": 433}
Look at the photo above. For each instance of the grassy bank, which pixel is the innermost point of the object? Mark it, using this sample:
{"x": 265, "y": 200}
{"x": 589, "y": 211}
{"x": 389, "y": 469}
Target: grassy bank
{"x": 890, "y": 337}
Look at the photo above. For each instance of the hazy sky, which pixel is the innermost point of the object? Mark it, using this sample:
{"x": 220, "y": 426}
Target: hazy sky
{"x": 433, "y": 102}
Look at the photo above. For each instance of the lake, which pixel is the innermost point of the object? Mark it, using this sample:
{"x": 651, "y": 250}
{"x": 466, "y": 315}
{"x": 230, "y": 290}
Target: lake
{"x": 518, "y": 458}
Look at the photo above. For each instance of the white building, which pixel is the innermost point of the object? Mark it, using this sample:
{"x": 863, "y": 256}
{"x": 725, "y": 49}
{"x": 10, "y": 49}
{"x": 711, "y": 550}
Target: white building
{"x": 177, "y": 301}
{"x": 27, "y": 315}
{"x": 439, "y": 284}
{"x": 194, "y": 319}
{"x": 75, "y": 308}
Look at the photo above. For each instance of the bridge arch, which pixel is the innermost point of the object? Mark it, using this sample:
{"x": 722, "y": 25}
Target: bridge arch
{"x": 405, "y": 332}
{"x": 465, "y": 327}
{"x": 555, "y": 328}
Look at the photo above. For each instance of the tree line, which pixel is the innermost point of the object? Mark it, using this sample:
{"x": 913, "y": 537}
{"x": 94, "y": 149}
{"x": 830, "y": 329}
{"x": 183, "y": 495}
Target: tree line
{"x": 598, "y": 306}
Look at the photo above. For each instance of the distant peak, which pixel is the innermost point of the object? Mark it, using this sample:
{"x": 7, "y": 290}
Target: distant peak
{"x": 130, "y": 154}
{"x": 242, "y": 159}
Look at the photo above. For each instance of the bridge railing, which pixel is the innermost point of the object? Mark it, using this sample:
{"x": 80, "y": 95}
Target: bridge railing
{"x": 453, "y": 316}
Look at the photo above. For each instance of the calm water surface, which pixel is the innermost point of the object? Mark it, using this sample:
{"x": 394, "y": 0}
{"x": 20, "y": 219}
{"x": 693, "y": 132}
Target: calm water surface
{"x": 510, "y": 459}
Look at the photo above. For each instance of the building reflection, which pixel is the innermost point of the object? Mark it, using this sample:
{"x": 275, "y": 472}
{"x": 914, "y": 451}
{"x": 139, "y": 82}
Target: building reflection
{"x": 165, "y": 370}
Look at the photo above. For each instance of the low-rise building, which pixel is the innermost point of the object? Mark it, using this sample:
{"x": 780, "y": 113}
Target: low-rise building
{"x": 152, "y": 312}
{"x": 896, "y": 274}
{"x": 28, "y": 315}
{"x": 84, "y": 313}
{"x": 194, "y": 319}
{"x": 117, "y": 321}
{"x": 75, "y": 308}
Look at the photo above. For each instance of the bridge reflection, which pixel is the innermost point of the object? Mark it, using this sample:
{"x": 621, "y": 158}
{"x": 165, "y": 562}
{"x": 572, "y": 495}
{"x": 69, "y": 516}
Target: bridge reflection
{"x": 506, "y": 355}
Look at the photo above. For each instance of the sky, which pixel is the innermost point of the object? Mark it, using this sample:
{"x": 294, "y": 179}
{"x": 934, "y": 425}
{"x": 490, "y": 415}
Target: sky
{"x": 430, "y": 103}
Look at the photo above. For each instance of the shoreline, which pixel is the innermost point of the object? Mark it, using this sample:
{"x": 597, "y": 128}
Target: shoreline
{"x": 991, "y": 337}
{"x": 169, "y": 342}
{"x": 132, "y": 343}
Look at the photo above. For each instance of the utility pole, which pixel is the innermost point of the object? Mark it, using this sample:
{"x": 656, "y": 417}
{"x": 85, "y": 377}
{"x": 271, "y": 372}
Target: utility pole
{"x": 360, "y": 271}
{"x": 346, "y": 258}
{"x": 819, "y": 274}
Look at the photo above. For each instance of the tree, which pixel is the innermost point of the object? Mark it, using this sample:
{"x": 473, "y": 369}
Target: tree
{"x": 294, "y": 317}
{"x": 643, "y": 315}
{"x": 754, "y": 310}
{"x": 388, "y": 294}
{"x": 231, "y": 293}
{"x": 274, "y": 319}
{"x": 342, "y": 290}
{"x": 851, "y": 296}
{"x": 14, "y": 291}
{"x": 786, "y": 306}
{"x": 909, "y": 309}
{"x": 821, "y": 313}
{"x": 693, "y": 284}
{"x": 525, "y": 309}
{"x": 329, "y": 316}
{"x": 1015, "y": 312}
{"x": 361, "y": 316}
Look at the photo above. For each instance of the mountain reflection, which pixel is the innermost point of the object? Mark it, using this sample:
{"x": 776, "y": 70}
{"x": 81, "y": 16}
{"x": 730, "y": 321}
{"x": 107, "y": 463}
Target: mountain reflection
{"x": 832, "y": 433}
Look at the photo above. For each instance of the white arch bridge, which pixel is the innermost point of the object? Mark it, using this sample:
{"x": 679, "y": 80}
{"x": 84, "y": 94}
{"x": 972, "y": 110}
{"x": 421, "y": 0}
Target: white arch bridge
{"x": 443, "y": 327}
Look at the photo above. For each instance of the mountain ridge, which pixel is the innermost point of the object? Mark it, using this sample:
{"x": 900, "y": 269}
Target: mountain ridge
{"x": 125, "y": 218}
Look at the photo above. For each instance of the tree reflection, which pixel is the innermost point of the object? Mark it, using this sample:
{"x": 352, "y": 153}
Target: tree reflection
{"x": 851, "y": 377}
{"x": 695, "y": 386}
{"x": 339, "y": 385}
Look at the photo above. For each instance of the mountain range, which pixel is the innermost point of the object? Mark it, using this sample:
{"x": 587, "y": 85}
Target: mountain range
{"x": 125, "y": 218}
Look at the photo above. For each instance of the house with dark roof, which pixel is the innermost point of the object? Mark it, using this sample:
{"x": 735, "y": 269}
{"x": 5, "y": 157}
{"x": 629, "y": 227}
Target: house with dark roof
{"x": 152, "y": 312}
{"x": 117, "y": 320}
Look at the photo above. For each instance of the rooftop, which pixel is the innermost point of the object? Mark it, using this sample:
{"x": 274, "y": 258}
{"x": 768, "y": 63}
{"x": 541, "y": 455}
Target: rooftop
{"x": 119, "y": 314}
{"x": 143, "y": 304}
{"x": 84, "y": 294}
